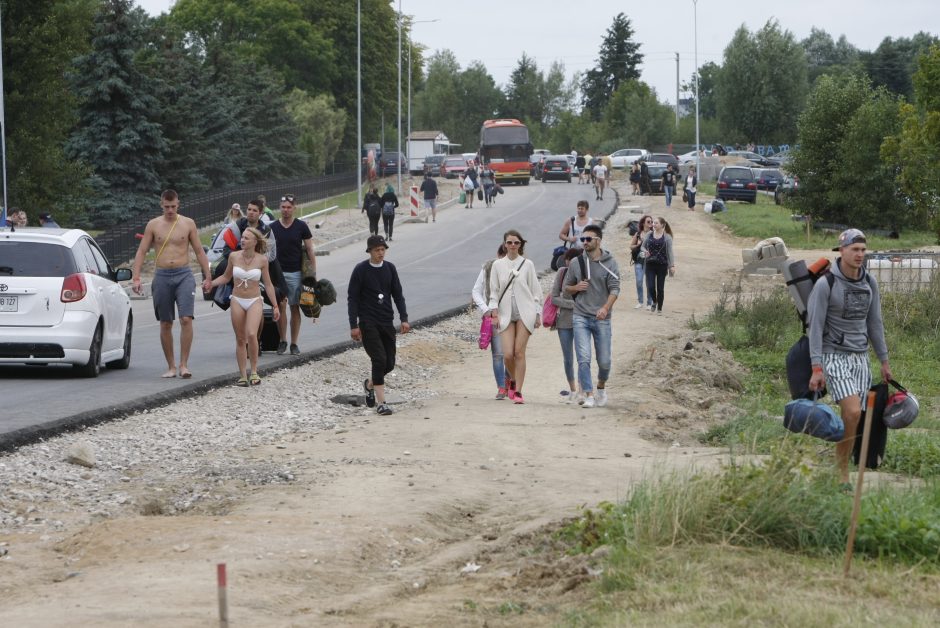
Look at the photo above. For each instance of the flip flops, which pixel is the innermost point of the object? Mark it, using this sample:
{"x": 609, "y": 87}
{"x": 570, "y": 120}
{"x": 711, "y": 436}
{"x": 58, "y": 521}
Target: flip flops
{"x": 254, "y": 379}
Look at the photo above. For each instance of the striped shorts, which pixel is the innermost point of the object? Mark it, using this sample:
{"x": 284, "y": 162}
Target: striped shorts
{"x": 847, "y": 374}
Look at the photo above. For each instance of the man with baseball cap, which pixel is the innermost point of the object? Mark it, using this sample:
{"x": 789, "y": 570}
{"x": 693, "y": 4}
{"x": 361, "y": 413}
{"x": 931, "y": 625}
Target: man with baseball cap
{"x": 373, "y": 286}
{"x": 844, "y": 318}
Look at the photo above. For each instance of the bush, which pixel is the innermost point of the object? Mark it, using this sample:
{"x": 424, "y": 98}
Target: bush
{"x": 913, "y": 452}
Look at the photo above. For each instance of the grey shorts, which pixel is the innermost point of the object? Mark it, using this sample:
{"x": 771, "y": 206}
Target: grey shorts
{"x": 514, "y": 311}
{"x": 172, "y": 289}
{"x": 847, "y": 374}
{"x": 430, "y": 203}
{"x": 293, "y": 281}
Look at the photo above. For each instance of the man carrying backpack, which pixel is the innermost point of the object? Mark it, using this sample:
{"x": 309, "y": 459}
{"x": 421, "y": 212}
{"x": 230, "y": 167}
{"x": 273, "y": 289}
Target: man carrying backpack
{"x": 844, "y": 317}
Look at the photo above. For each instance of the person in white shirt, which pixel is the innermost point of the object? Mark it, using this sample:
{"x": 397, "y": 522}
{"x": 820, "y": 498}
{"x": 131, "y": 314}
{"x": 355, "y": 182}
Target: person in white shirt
{"x": 481, "y": 297}
{"x": 600, "y": 180}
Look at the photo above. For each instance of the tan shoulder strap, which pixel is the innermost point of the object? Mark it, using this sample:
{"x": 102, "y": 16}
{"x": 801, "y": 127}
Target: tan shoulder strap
{"x": 163, "y": 246}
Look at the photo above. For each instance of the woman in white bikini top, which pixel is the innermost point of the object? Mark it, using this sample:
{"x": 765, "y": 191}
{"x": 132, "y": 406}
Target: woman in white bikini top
{"x": 248, "y": 269}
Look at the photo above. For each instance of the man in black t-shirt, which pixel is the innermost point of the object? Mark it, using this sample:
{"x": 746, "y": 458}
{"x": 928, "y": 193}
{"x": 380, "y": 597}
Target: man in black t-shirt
{"x": 293, "y": 237}
{"x": 373, "y": 286}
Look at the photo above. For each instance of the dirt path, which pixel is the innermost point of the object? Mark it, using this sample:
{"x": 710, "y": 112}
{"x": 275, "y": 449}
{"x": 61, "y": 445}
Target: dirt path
{"x": 388, "y": 517}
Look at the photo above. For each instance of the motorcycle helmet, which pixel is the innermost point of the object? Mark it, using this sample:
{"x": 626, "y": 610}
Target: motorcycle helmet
{"x": 901, "y": 410}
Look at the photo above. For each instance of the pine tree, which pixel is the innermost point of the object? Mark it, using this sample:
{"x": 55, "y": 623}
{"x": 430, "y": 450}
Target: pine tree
{"x": 619, "y": 61}
{"x": 117, "y": 133}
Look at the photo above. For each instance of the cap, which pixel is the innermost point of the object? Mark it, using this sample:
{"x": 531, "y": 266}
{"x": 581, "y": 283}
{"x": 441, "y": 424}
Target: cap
{"x": 236, "y": 206}
{"x": 375, "y": 241}
{"x": 850, "y": 237}
{"x": 45, "y": 216}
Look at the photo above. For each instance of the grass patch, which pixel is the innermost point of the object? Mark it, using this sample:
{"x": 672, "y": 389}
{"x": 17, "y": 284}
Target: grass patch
{"x": 765, "y": 219}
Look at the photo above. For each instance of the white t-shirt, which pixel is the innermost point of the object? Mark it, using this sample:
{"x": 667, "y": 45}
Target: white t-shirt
{"x": 600, "y": 171}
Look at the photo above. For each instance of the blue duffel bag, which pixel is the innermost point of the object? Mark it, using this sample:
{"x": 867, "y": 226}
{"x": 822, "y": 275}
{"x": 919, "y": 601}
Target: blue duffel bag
{"x": 808, "y": 416}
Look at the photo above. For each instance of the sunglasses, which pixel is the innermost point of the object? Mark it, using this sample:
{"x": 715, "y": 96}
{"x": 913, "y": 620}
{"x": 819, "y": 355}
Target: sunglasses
{"x": 588, "y": 238}
{"x": 513, "y": 242}
{"x": 288, "y": 198}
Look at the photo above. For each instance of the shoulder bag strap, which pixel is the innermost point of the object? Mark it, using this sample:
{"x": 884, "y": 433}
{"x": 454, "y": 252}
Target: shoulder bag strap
{"x": 510, "y": 282}
{"x": 167, "y": 238}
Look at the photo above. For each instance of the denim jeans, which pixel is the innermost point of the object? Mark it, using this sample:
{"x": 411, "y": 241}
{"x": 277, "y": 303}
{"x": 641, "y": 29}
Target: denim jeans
{"x": 669, "y": 190}
{"x": 691, "y": 196}
{"x": 639, "y": 269}
{"x": 566, "y": 338}
{"x": 585, "y": 329}
{"x": 499, "y": 369}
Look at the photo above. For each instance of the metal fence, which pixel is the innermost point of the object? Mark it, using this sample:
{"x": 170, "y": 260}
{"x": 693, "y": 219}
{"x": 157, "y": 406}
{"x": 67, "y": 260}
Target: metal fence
{"x": 120, "y": 242}
{"x": 906, "y": 271}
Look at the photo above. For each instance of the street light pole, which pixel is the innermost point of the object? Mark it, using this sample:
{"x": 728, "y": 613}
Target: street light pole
{"x": 698, "y": 141}
{"x": 398, "y": 156}
{"x": 359, "y": 103}
{"x": 3, "y": 143}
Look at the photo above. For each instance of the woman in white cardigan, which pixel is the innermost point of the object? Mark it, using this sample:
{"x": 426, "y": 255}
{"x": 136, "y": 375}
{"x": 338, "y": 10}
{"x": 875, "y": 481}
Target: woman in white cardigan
{"x": 516, "y": 305}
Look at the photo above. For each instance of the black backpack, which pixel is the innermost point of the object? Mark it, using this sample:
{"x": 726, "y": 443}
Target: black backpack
{"x": 373, "y": 206}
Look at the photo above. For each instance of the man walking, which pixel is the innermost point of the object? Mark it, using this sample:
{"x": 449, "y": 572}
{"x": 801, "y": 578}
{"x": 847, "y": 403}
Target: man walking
{"x": 600, "y": 179}
{"x": 844, "y": 318}
{"x": 293, "y": 237}
{"x": 373, "y": 286}
{"x": 594, "y": 283}
{"x": 669, "y": 184}
{"x": 174, "y": 287}
{"x": 429, "y": 190}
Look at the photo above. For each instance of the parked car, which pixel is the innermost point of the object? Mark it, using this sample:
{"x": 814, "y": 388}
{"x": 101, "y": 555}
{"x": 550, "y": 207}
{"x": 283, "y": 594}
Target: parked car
{"x": 785, "y": 189}
{"x": 432, "y": 164}
{"x": 656, "y": 171}
{"x": 556, "y": 167}
{"x": 736, "y": 183}
{"x": 392, "y": 163}
{"x": 767, "y": 178}
{"x": 754, "y": 158}
{"x": 535, "y": 164}
{"x": 625, "y": 157}
{"x": 60, "y": 302}
{"x": 661, "y": 158}
{"x": 453, "y": 166}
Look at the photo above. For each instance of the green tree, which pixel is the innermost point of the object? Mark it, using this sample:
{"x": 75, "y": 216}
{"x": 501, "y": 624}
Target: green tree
{"x": 707, "y": 85}
{"x": 842, "y": 178}
{"x": 915, "y": 148}
{"x": 635, "y": 117}
{"x": 618, "y": 61}
{"x": 117, "y": 133}
{"x": 437, "y": 105}
{"x": 524, "y": 92}
{"x": 826, "y": 56}
{"x": 40, "y": 38}
{"x": 893, "y": 63}
{"x": 762, "y": 85}
{"x": 321, "y": 127}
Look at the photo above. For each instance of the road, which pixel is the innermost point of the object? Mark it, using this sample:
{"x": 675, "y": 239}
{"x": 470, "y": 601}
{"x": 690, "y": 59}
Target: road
{"x": 438, "y": 263}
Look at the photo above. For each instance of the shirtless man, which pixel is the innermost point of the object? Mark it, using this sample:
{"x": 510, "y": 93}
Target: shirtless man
{"x": 174, "y": 286}
{"x": 571, "y": 230}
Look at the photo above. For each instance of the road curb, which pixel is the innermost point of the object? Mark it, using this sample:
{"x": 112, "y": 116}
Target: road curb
{"x": 77, "y": 422}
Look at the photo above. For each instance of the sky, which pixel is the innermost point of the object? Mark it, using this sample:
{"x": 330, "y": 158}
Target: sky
{"x": 497, "y": 32}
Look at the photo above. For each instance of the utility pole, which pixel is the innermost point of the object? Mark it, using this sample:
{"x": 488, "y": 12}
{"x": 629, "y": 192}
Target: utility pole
{"x": 677, "y": 90}
{"x": 3, "y": 141}
{"x": 359, "y": 101}
{"x": 398, "y": 156}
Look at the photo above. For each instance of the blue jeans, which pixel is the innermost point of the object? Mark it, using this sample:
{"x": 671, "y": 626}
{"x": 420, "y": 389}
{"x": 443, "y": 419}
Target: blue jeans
{"x": 639, "y": 270}
{"x": 499, "y": 369}
{"x": 586, "y": 328}
{"x": 669, "y": 190}
{"x": 691, "y": 196}
{"x": 566, "y": 338}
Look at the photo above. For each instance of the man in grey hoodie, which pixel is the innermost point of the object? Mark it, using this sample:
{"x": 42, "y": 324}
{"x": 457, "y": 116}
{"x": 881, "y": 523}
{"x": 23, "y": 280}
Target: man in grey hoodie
{"x": 593, "y": 279}
{"x": 844, "y": 317}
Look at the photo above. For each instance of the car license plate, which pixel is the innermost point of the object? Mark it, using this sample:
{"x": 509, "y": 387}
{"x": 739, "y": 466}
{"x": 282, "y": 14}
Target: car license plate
{"x": 737, "y": 185}
{"x": 9, "y": 304}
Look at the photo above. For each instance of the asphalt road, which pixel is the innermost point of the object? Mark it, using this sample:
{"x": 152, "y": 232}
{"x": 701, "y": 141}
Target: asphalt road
{"x": 438, "y": 263}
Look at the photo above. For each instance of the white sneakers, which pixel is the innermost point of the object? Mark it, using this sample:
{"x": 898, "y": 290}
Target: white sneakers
{"x": 600, "y": 397}
{"x": 637, "y": 306}
{"x": 587, "y": 402}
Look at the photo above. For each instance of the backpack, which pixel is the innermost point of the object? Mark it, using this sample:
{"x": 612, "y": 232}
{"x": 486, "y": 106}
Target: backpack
{"x": 373, "y": 208}
{"x": 633, "y": 227}
{"x": 389, "y": 208}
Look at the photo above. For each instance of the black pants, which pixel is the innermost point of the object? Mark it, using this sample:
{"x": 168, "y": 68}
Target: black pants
{"x": 373, "y": 223}
{"x": 655, "y": 282}
{"x": 389, "y": 221}
{"x": 379, "y": 343}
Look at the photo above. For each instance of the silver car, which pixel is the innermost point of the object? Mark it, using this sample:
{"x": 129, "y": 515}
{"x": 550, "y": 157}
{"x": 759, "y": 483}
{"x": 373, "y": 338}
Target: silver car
{"x": 60, "y": 302}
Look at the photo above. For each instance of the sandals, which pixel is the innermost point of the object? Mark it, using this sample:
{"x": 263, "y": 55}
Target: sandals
{"x": 254, "y": 379}
{"x": 242, "y": 381}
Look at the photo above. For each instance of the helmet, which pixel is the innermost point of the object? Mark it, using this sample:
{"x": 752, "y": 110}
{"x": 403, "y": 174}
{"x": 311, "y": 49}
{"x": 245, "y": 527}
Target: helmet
{"x": 901, "y": 410}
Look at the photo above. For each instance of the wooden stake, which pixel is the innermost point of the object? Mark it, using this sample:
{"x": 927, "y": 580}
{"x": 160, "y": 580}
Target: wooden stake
{"x": 857, "y": 505}
{"x": 223, "y": 595}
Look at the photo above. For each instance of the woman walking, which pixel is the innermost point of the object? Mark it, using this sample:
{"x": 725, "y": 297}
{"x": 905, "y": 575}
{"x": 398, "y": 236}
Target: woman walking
{"x": 389, "y": 205}
{"x": 249, "y": 269}
{"x": 372, "y": 206}
{"x": 645, "y": 226}
{"x": 635, "y": 178}
{"x": 516, "y": 303}
{"x": 564, "y": 325}
{"x": 481, "y": 297}
{"x": 659, "y": 260}
{"x": 691, "y": 187}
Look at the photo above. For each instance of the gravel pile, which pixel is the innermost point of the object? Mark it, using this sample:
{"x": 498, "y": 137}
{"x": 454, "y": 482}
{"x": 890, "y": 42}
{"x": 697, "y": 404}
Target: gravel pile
{"x": 194, "y": 454}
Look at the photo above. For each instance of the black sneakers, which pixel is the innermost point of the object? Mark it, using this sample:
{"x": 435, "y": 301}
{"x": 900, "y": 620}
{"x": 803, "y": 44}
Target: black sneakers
{"x": 281, "y": 348}
{"x": 384, "y": 410}
{"x": 370, "y": 394}
{"x": 294, "y": 350}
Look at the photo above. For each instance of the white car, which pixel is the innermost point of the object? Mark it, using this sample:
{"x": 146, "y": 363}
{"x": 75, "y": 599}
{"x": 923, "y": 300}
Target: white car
{"x": 625, "y": 157}
{"x": 689, "y": 157}
{"x": 60, "y": 302}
